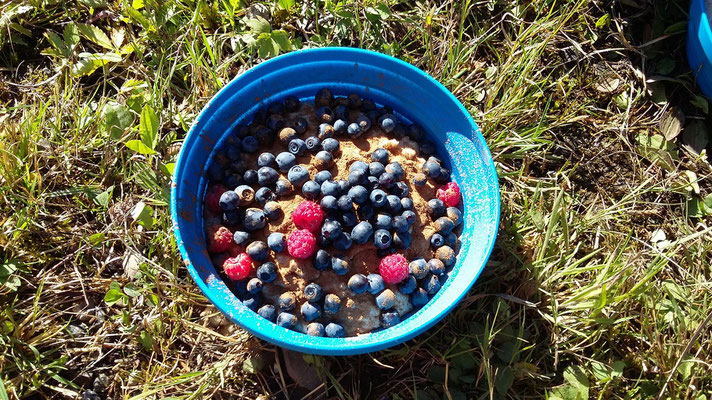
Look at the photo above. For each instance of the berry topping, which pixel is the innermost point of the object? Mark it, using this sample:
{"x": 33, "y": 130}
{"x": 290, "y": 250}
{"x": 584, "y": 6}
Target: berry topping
{"x": 301, "y": 244}
{"x": 308, "y": 215}
{"x": 239, "y": 267}
{"x": 219, "y": 239}
{"x": 393, "y": 268}
{"x": 449, "y": 194}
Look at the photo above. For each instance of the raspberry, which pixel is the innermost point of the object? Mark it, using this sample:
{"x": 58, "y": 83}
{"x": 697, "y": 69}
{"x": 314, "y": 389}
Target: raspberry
{"x": 239, "y": 267}
{"x": 449, "y": 194}
{"x": 308, "y": 215}
{"x": 301, "y": 243}
{"x": 219, "y": 239}
{"x": 212, "y": 198}
{"x": 393, "y": 268}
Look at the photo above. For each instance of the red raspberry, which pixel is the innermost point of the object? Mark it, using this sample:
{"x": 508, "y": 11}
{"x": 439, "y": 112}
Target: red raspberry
{"x": 393, "y": 268}
{"x": 301, "y": 243}
{"x": 449, "y": 194}
{"x": 219, "y": 239}
{"x": 308, "y": 215}
{"x": 212, "y": 198}
{"x": 239, "y": 267}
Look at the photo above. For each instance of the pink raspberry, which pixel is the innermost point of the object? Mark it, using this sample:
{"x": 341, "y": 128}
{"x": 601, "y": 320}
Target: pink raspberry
{"x": 239, "y": 267}
{"x": 308, "y": 215}
{"x": 449, "y": 194}
{"x": 219, "y": 239}
{"x": 212, "y": 198}
{"x": 301, "y": 243}
{"x": 393, "y": 268}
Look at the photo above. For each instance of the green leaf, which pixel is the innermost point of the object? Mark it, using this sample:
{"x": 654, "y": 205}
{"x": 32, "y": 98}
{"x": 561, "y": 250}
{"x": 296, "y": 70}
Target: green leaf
{"x": 102, "y": 58}
{"x": 103, "y": 198}
{"x": 696, "y": 136}
{"x": 97, "y": 239}
{"x": 3, "y": 391}
{"x": 707, "y": 203}
{"x": 71, "y": 34}
{"x": 142, "y": 214}
{"x": 149, "y": 127}
{"x": 504, "y": 380}
{"x": 7, "y": 279}
{"x": 600, "y": 371}
{"x": 167, "y": 168}
{"x": 139, "y": 147}
{"x": 281, "y": 38}
{"x": 617, "y": 369}
{"x": 286, "y": 4}
{"x": 112, "y": 296}
{"x": 8, "y": 267}
{"x": 436, "y": 373}
{"x": 603, "y": 21}
{"x": 132, "y": 290}
{"x": 95, "y": 3}
{"x": 252, "y": 364}
{"x": 671, "y": 123}
{"x": 258, "y": 25}
{"x": 701, "y": 103}
{"x": 146, "y": 340}
{"x": 694, "y": 207}
{"x": 383, "y": 10}
{"x": 85, "y": 66}
{"x": 656, "y": 149}
{"x": 57, "y": 43}
{"x": 96, "y": 35}
{"x": 576, "y": 377}
{"x": 138, "y": 17}
{"x": 267, "y": 47}
{"x": 665, "y": 66}
{"x": 117, "y": 117}
{"x": 676, "y": 28}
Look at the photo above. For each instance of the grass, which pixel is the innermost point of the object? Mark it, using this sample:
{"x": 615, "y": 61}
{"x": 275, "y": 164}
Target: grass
{"x": 598, "y": 287}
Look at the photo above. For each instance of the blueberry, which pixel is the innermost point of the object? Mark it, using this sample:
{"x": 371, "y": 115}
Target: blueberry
{"x": 258, "y": 250}
{"x": 299, "y": 125}
{"x": 241, "y": 286}
{"x": 444, "y": 176}
{"x": 415, "y": 132}
{"x": 287, "y": 301}
{"x": 245, "y": 194}
{"x": 329, "y": 203}
{"x": 406, "y": 203}
{"x": 376, "y": 284}
{"x": 431, "y": 170}
{"x": 326, "y": 131}
{"x": 409, "y": 216}
{"x": 334, "y": 330}
{"x": 437, "y": 240}
{"x": 362, "y": 232}
{"x": 341, "y": 112}
{"x": 285, "y": 161}
{"x": 332, "y": 303}
{"x": 254, "y": 286}
{"x": 250, "y": 177}
{"x": 321, "y": 177}
{"x": 313, "y": 292}
{"x": 365, "y": 211}
{"x": 315, "y": 329}
{"x": 393, "y": 202}
{"x": 363, "y": 122}
{"x": 283, "y": 187}
{"x": 418, "y": 268}
{"x": 254, "y": 219}
{"x": 260, "y": 116}
{"x": 240, "y": 167}
{"x": 323, "y": 159}
{"x": 340, "y": 126}
{"x": 231, "y": 217}
{"x": 311, "y": 190}
{"x": 330, "y": 188}
{"x": 331, "y": 229}
{"x": 252, "y": 301}
{"x": 241, "y": 131}
{"x": 386, "y": 180}
{"x": 358, "y": 194}
{"x": 383, "y": 221}
{"x": 400, "y": 189}
{"x": 400, "y": 224}
{"x": 358, "y": 166}
{"x": 376, "y": 169}
{"x": 436, "y": 208}
{"x": 229, "y": 200}
{"x": 358, "y": 283}
{"x": 276, "y": 242}
{"x": 275, "y": 123}
{"x": 419, "y": 298}
{"x": 232, "y": 181}
{"x": 232, "y": 152}
{"x": 455, "y": 215}
{"x": 386, "y": 299}
{"x": 249, "y": 144}
{"x": 451, "y": 240}
{"x": 267, "y": 312}
{"x": 447, "y": 255}
{"x": 265, "y": 160}
{"x": 291, "y": 103}
{"x": 387, "y": 122}
{"x": 345, "y": 203}
{"x": 310, "y": 311}
{"x": 402, "y": 240}
{"x": 324, "y": 114}
{"x": 264, "y": 195}
{"x": 267, "y": 272}
{"x": 286, "y": 320}
{"x": 431, "y": 284}
{"x": 323, "y": 97}
{"x": 340, "y": 264}
{"x": 419, "y": 179}
{"x": 330, "y": 145}
{"x": 390, "y": 319}
{"x": 350, "y": 219}
{"x": 267, "y": 176}
{"x": 436, "y": 266}
{"x": 215, "y": 172}
{"x": 240, "y": 237}
{"x": 427, "y": 148}
{"x": 297, "y": 175}
{"x": 444, "y": 225}
{"x": 382, "y": 239}
{"x": 380, "y": 155}
{"x": 354, "y": 130}
{"x": 435, "y": 159}
{"x": 342, "y": 242}
{"x": 297, "y": 147}
{"x": 378, "y": 198}
{"x": 357, "y": 177}
{"x": 408, "y": 285}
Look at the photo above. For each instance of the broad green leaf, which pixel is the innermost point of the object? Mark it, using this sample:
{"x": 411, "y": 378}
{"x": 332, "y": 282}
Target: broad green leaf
{"x": 694, "y": 207}
{"x": 701, "y": 103}
{"x": 603, "y": 21}
{"x": 117, "y": 118}
{"x": 146, "y": 340}
{"x": 85, "y": 66}
{"x": 676, "y": 28}
{"x": 57, "y": 43}
{"x": 71, "y": 34}
{"x": 167, "y": 168}
{"x": 617, "y": 369}
{"x": 117, "y": 37}
{"x": 96, "y": 35}
{"x": 103, "y": 198}
{"x": 258, "y": 25}
{"x": 112, "y": 296}
{"x": 97, "y": 239}
{"x": 696, "y": 136}
{"x": 95, "y": 3}
{"x": 577, "y": 378}
{"x": 282, "y": 39}
{"x": 656, "y": 149}
{"x": 383, "y": 10}
{"x": 7, "y": 268}
{"x": 137, "y": 16}
{"x": 436, "y": 373}
{"x": 286, "y": 4}
{"x": 137, "y": 4}
{"x": 600, "y": 371}
{"x": 504, "y": 380}
{"x": 252, "y": 364}
{"x": 148, "y": 128}
{"x": 708, "y": 204}
{"x": 102, "y": 58}
{"x": 139, "y": 147}
{"x": 142, "y": 214}
{"x": 131, "y": 290}
{"x": 267, "y": 47}
{"x": 671, "y": 123}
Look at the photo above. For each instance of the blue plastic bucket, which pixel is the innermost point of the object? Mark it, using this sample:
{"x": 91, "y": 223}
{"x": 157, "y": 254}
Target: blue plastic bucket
{"x": 388, "y": 81}
{"x": 699, "y": 46}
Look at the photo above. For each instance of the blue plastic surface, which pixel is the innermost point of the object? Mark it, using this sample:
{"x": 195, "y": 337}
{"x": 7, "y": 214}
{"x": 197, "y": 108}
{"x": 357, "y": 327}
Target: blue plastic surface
{"x": 386, "y": 80}
{"x": 699, "y": 46}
